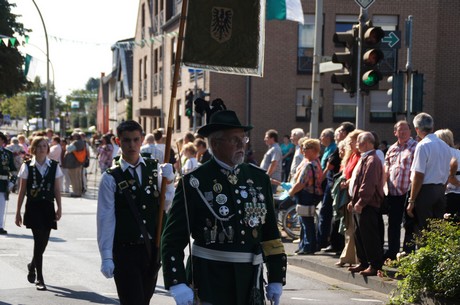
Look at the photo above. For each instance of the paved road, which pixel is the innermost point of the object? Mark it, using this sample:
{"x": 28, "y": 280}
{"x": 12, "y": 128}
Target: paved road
{"x": 71, "y": 267}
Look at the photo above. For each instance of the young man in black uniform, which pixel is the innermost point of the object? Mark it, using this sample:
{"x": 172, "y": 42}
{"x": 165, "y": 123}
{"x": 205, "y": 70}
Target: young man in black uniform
{"x": 125, "y": 251}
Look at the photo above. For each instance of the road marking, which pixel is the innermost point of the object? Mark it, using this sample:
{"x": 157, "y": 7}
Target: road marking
{"x": 304, "y": 299}
{"x": 9, "y": 254}
{"x": 366, "y": 300}
{"x": 87, "y": 238}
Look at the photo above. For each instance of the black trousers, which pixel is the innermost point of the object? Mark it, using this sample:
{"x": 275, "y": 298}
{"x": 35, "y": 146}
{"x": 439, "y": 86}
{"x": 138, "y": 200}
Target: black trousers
{"x": 430, "y": 203}
{"x": 134, "y": 275}
{"x": 396, "y": 205}
{"x": 368, "y": 237}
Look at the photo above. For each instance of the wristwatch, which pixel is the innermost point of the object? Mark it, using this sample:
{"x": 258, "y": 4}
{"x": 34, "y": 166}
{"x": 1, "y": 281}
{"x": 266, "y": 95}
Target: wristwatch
{"x": 411, "y": 200}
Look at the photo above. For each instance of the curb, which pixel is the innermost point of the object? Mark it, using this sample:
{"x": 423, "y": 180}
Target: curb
{"x": 324, "y": 264}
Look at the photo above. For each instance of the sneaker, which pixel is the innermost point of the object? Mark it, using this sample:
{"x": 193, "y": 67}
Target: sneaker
{"x": 31, "y": 275}
{"x": 296, "y": 241}
{"x": 3, "y": 231}
{"x": 40, "y": 285}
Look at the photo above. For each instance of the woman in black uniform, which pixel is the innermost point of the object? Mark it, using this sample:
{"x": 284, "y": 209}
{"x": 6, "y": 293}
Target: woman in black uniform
{"x": 40, "y": 180}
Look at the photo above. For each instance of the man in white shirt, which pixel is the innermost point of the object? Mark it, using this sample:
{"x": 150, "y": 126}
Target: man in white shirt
{"x": 430, "y": 171}
{"x": 150, "y": 148}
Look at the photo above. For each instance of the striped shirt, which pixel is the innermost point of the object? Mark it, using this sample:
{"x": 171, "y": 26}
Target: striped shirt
{"x": 398, "y": 161}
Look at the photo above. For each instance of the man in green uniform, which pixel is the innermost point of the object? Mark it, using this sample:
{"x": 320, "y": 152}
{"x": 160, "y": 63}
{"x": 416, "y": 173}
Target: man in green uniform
{"x": 227, "y": 208}
{"x": 8, "y": 177}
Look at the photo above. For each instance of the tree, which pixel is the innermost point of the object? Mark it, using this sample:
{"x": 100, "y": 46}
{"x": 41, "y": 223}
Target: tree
{"x": 12, "y": 78}
{"x": 16, "y": 106}
{"x": 92, "y": 84}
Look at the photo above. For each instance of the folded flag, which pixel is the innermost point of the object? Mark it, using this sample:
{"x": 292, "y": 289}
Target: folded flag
{"x": 225, "y": 36}
{"x": 285, "y": 10}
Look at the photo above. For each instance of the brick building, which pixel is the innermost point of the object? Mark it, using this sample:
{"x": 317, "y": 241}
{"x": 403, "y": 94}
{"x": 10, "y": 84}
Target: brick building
{"x": 280, "y": 99}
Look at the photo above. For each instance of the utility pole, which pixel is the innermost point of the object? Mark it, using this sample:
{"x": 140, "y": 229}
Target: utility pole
{"x": 409, "y": 83}
{"x": 360, "y": 109}
{"x": 314, "y": 118}
{"x": 195, "y": 93}
{"x": 47, "y": 95}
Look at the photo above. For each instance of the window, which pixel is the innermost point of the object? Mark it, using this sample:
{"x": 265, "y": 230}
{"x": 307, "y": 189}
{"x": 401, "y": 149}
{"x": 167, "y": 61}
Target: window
{"x": 144, "y": 93}
{"x": 344, "y": 107}
{"x": 306, "y": 45}
{"x": 173, "y": 50}
{"x": 178, "y": 115}
{"x": 303, "y": 105}
{"x": 379, "y": 107}
{"x": 140, "y": 80}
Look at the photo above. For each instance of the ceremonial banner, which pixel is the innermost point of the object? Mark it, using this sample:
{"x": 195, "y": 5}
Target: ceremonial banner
{"x": 225, "y": 36}
{"x": 285, "y": 10}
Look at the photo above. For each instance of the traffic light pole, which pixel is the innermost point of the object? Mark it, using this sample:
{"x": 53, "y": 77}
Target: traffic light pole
{"x": 195, "y": 93}
{"x": 314, "y": 117}
{"x": 409, "y": 82}
{"x": 47, "y": 106}
{"x": 359, "y": 97}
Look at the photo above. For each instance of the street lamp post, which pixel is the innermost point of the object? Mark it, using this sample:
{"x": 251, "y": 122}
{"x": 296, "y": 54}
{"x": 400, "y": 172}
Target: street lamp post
{"x": 47, "y": 106}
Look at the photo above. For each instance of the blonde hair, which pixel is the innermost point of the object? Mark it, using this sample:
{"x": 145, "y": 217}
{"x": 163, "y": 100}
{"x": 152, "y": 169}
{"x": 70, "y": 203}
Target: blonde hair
{"x": 446, "y": 135}
{"x": 348, "y": 149}
{"x": 311, "y": 144}
{"x": 190, "y": 148}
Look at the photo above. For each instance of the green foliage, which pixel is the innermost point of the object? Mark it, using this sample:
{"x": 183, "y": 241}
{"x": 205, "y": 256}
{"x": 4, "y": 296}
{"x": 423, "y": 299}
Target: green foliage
{"x": 15, "y": 106}
{"x": 12, "y": 78}
{"x": 434, "y": 269}
{"x": 92, "y": 84}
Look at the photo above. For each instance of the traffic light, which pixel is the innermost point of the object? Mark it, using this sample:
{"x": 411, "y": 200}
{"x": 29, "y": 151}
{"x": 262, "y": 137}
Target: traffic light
{"x": 396, "y": 92}
{"x": 417, "y": 93}
{"x": 40, "y": 106}
{"x": 371, "y": 55}
{"x": 348, "y": 59}
{"x": 189, "y": 104}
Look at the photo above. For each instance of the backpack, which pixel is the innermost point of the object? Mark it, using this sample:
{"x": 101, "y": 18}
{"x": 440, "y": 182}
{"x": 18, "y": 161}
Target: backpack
{"x": 80, "y": 155}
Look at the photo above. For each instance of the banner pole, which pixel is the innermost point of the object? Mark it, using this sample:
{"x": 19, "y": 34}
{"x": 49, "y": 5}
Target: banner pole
{"x": 170, "y": 125}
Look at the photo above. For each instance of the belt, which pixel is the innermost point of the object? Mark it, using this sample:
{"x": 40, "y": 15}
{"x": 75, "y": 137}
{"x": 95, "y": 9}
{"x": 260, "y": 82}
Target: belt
{"x": 227, "y": 256}
{"x": 4, "y": 177}
{"x": 133, "y": 243}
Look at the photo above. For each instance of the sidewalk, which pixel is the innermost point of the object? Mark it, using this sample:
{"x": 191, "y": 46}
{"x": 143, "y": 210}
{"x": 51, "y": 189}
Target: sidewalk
{"x": 324, "y": 263}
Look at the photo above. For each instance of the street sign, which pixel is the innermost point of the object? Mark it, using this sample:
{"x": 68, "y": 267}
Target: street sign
{"x": 365, "y": 3}
{"x": 329, "y": 66}
{"x": 392, "y": 39}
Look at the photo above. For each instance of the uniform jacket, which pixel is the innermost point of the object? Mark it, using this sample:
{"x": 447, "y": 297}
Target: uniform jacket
{"x": 247, "y": 224}
{"x": 145, "y": 198}
{"x": 6, "y": 167}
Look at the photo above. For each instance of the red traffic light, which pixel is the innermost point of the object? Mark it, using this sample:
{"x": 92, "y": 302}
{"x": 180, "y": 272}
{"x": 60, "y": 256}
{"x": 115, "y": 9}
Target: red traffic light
{"x": 373, "y": 35}
{"x": 372, "y": 57}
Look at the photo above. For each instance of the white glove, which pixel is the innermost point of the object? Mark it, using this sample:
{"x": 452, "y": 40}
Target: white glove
{"x": 273, "y": 292}
{"x": 107, "y": 267}
{"x": 166, "y": 171}
{"x": 183, "y": 295}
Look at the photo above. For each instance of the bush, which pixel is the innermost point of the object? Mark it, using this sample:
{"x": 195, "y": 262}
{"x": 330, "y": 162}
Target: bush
{"x": 434, "y": 269}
